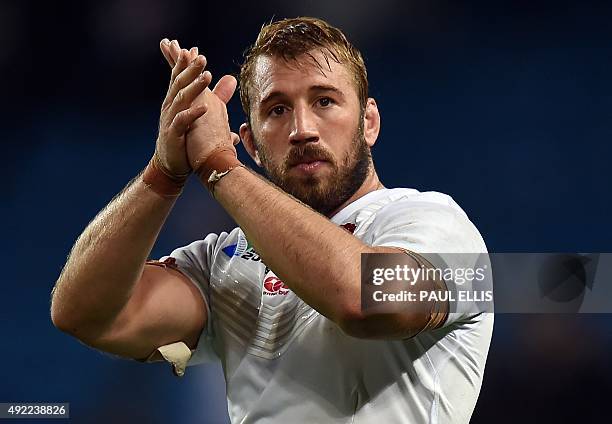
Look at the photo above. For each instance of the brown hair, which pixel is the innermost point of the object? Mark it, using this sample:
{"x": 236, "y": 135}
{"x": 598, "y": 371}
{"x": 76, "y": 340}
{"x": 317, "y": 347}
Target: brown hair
{"x": 290, "y": 38}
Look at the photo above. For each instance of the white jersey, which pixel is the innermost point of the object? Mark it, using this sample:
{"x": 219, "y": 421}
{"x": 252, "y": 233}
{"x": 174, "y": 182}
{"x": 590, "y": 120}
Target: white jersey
{"x": 283, "y": 362}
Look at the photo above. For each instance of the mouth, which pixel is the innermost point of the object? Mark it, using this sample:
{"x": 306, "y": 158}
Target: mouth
{"x": 308, "y": 164}
{"x": 306, "y": 159}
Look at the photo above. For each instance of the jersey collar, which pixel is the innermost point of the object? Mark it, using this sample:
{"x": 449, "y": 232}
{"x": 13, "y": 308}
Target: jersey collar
{"x": 342, "y": 215}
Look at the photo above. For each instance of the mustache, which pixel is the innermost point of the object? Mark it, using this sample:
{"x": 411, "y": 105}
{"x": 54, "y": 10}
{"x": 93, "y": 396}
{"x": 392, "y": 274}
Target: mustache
{"x": 307, "y": 152}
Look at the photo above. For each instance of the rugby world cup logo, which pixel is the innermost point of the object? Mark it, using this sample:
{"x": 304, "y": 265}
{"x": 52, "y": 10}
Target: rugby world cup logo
{"x": 273, "y": 286}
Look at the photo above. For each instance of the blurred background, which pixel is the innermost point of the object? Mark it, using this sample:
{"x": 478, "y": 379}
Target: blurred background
{"x": 504, "y": 105}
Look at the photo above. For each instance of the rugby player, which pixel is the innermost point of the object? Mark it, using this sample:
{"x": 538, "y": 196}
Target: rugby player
{"x": 277, "y": 300}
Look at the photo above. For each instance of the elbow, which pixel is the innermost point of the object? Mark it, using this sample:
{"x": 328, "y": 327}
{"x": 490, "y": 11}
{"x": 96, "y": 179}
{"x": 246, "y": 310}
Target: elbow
{"x": 355, "y": 328}
{"x": 60, "y": 319}
{"x": 65, "y": 326}
{"x": 381, "y": 325}
{"x": 57, "y": 318}
{"x": 353, "y": 322}
{"x": 66, "y": 319}
{"x": 350, "y": 316}
{"x": 80, "y": 330}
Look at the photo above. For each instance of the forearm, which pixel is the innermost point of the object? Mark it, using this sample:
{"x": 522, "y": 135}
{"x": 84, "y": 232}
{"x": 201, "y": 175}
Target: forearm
{"x": 108, "y": 258}
{"x": 317, "y": 259}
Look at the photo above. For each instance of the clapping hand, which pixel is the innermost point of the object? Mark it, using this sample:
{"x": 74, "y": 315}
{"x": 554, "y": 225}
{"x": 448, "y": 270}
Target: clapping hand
{"x": 209, "y": 129}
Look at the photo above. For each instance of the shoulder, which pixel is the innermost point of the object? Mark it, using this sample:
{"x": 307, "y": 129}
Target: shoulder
{"x": 210, "y": 244}
{"x": 428, "y": 208}
{"x": 426, "y": 219}
{"x": 403, "y": 204}
{"x": 196, "y": 258}
{"x": 397, "y": 200}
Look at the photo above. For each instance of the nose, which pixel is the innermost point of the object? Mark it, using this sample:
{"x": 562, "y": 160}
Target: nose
{"x": 304, "y": 127}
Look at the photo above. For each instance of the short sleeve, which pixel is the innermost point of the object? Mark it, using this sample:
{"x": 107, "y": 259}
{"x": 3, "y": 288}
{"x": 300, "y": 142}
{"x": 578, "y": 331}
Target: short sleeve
{"x": 440, "y": 231}
{"x": 194, "y": 261}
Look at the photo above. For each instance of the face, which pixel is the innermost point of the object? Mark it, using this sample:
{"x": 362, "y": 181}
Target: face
{"x": 307, "y": 130}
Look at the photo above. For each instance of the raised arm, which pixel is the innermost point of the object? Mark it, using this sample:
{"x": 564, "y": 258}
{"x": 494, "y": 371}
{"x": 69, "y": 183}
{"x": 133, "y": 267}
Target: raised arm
{"x": 106, "y": 296}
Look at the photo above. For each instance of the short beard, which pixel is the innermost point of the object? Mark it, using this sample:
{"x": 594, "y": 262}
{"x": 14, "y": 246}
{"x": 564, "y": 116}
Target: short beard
{"x": 324, "y": 196}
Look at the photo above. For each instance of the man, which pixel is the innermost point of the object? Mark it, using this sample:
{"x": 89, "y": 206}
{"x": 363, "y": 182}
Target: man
{"x": 278, "y": 299}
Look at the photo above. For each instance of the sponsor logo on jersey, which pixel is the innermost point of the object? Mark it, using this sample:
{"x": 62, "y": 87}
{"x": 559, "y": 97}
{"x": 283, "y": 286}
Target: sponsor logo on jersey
{"x": 243, "y": 250}
{"x": 230, "y": 250}
{"x": 273, "y": 286}
{"x": 246, "y": 252}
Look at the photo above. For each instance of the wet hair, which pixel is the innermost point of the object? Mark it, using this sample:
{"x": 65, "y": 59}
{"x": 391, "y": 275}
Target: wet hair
{"x": 290, "y": 38}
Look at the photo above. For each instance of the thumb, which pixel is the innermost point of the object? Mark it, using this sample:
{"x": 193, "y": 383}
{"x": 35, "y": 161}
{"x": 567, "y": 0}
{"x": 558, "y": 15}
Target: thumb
{"x": 225, "y": 88}
{"x": 235, "y": 138}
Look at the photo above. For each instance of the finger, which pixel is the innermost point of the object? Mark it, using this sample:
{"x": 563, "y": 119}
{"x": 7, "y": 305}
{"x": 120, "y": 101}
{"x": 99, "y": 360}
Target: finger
{"x": 235, "y": 138}
{"x": 174, "y": 49}
{"x": 181, "y": 63}
{"x": 190, "y": 72}
{"x": 174, "y": 52}
{"x": 187, "y": 95}
{"x": 164, "y": 46}
{"x": 225, "y": 88}
{"x": 186, "y": 77}
{"x": 181, "y": 122}
{"x": 193, "y": 52}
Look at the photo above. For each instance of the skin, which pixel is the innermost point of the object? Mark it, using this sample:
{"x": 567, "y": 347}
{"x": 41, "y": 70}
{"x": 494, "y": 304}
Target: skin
{"x": 298, "y": 109}
{"x": 106, "y": 296}
{"x": 301, "y": 113}
{"x": 110, "y": 299}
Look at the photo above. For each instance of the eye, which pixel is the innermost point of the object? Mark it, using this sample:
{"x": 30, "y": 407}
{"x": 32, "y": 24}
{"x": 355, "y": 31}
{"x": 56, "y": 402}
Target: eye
{"x": 325, "y": 101}
{"x": 277, "y": 110}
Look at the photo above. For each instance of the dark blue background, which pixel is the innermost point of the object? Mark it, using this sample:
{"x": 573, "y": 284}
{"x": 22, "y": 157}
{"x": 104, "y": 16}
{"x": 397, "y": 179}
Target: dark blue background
{"x": 504, "y": 105}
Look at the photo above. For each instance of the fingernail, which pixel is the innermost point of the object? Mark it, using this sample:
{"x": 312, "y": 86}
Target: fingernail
{"x": 165, "y": 41}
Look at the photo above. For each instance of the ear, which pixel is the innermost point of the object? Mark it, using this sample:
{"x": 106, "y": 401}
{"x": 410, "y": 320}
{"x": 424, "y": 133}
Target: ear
{"x": 371, "y": 122}
{"x": 248, "y": 141}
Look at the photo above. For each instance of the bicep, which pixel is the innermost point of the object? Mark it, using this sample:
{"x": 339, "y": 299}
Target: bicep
{"x": 165, "y": 307}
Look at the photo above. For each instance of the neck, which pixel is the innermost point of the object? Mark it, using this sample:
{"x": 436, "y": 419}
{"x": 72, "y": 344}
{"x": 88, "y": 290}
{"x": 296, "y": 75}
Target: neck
{"x": 371, "y": 183}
